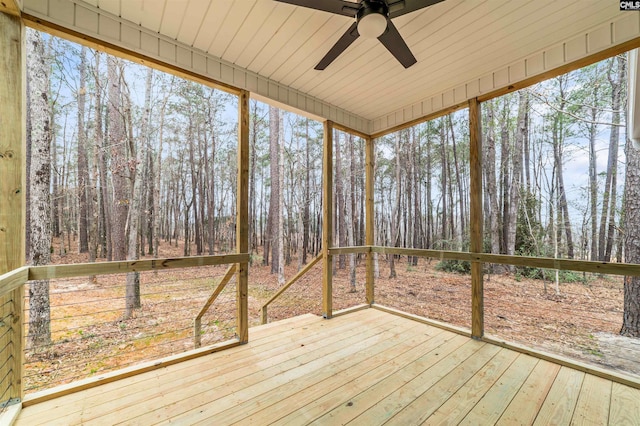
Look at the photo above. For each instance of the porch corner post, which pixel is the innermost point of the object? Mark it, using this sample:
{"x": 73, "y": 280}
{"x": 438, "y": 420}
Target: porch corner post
{"x": 476, "y": 218}
{"x": 242, "y": 216}
{"x": 12, "y": 196}
{"x": 369, "y": 223}
{"x": 327, "y": 220}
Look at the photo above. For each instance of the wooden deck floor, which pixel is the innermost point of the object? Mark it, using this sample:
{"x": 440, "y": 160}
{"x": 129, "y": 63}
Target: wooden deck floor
{"x": 368, "y": 367}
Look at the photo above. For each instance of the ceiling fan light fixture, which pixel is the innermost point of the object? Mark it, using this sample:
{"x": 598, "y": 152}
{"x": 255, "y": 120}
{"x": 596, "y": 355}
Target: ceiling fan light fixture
{"x": 372, "y": 25}
{"x": 372, "y": 19}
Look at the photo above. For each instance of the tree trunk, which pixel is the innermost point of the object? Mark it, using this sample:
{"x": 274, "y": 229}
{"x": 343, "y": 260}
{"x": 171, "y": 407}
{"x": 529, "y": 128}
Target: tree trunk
{"x": 280, "y": 202}
{"x": 395, "y": 219}
{"x": 516, "y": 173}
{"x": 490, "y": 180}
{"x": 133, "y": 278}
{"x": 39, "y": 177}
{"x": 158, "y": 173}
{"x": 101, "y": 147}
{"x": 593, "y": 184}
{"x": 253, "y": 229}
{"x": 458, "y": 177}
{"x": 558, "y": 140}
{"x": 444, "y": 186}
{"x": 83, "y": 164}
{"x": 307, "y": 199}
{"x": 631, "y": 207}
{"x": 273, "y": 222}
{"x": 93, "y": 208}
{"x": 429, "y": 201}
{"x": 349, "y": 215}
{"x": 610, "y": 191}
{"x": 505, "y": 190}
{"x": 340, "y": 225}
{"x": 119, "y": 167}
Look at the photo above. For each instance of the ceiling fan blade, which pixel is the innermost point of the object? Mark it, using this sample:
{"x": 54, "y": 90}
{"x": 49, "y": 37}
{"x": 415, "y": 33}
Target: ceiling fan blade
{"x": 394, "y": 43}
{"x": 345, "y": 41}
{"x": 339, "y": 7}
{"x": 402, "y": 7}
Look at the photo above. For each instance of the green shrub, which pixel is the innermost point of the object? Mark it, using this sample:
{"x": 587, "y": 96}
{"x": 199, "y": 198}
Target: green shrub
{"x": 549, "y": 274}
{"x": 455, "y": 266}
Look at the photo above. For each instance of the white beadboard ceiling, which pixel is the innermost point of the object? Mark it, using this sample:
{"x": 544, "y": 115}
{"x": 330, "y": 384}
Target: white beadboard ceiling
{"x": 464, "y": 48}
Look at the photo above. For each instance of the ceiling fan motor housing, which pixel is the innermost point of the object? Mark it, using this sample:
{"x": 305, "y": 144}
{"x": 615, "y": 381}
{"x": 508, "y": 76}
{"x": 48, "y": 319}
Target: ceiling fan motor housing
{"x": 372, "y": 18}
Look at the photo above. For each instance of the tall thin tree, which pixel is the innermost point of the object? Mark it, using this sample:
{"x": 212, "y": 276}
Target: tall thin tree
{"x": 39, "y": 175}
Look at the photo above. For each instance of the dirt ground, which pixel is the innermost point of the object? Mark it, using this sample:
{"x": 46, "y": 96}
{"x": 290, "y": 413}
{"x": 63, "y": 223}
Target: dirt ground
{"x": 90, "y": 334}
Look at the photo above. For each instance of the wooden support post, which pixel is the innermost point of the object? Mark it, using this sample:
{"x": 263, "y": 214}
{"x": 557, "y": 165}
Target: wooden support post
{"x": 369, "y": 235}
{"x": 10, "y": 7}
{"x": 327, "y": 220}
{"x": 476, "y": 217}
{"x": 242, "y": 216}
{"x": 12, "y": 201}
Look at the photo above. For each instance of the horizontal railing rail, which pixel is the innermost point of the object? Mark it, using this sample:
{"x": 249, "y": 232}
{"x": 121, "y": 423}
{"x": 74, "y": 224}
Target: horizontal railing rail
{"x": 350, "y": 250}
{"x": 120, "y": 267}
{"x": 13, "y": 280}
{"x": 284, "y": 288}
{"x": 18, "y": 278}
{"x": 612, "y": 268}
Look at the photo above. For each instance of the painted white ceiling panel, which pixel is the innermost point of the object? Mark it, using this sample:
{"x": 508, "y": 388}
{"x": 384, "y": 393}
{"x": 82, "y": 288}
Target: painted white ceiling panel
{"x": 110, "y": 6}
{"x": 267, "y": 26}
{"x": 210, "y": 27}
{"x": 192, "y": 21}
{"x": 245, "y": 35}
{"x": 230, "y": 26}
{"x": 442, "y": 68}
{"x": 521, "y": 35}
{"x": 441, "y": 37}
{"x": 277, "y": 43}
{"x": 174, "y": 11}
{"x": 312, "y": 50}
{"x": 463, "y": 47}
{"x": 151, "y": 12}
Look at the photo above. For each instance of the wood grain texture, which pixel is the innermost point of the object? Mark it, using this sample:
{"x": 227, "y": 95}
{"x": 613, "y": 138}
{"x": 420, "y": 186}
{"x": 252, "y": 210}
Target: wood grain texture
{"x": 348, "y": 250}
{"x": 12, "y": 280}
{"x": 625, "y": 409}
{"x": 9, "y": 7}
{"x": 610, "y": 268}
{"x": 327, "y": 219}
{"x": 559, "y": 407}
{"x": 609, "y": 374}
{"x": 12, "y": 201}
{"x": 524, "y": 407}
{"x": 121, "y": 267}
{"x": 593, "y": 402}
{"x": 367, "y": 366}
{"x": 489, "y": 409}
{"x": 242, "y": 217}
{"x": 476, "y": 217}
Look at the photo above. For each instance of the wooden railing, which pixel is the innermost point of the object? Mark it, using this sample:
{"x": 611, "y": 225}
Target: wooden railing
{"x": 284, "y": 288}
{"x": 479, "y": 258}
{"x": 11, "y": 323}
{"x": 621, "y": 269}
{"x": 197, "y": 323}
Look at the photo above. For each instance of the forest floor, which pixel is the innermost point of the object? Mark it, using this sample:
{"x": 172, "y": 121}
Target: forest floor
{"x": 579, "y": 319}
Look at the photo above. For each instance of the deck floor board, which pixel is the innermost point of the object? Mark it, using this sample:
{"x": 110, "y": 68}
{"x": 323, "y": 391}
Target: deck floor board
{"x": 367, "y": 367}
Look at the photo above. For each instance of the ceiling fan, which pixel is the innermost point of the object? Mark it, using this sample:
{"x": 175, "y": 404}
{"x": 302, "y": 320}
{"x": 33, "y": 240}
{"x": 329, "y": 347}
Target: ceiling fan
{"x": 372, "y": 20}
